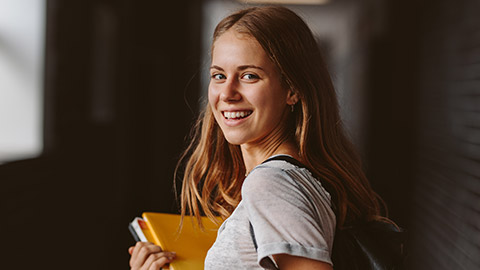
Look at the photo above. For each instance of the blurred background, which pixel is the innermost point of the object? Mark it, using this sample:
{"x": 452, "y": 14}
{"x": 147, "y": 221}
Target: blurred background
{"x": 97, "y": 98}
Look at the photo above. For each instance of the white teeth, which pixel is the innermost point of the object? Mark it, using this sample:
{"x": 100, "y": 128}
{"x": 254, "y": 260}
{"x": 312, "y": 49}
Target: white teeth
{"x": 230, "y": 115}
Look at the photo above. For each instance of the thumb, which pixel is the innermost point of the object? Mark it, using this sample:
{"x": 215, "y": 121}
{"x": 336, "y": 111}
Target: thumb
{"x": 130, "y": 250}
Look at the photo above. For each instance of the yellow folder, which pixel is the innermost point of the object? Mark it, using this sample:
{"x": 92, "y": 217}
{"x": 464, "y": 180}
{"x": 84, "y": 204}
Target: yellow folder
{"x": 191, "y": 243}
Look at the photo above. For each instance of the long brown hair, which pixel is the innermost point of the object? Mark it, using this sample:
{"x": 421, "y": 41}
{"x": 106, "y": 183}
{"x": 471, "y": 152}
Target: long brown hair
{"x": 214, "y": 171}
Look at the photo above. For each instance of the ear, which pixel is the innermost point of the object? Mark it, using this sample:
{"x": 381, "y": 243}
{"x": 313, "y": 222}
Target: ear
{"x": 292, "y": 97}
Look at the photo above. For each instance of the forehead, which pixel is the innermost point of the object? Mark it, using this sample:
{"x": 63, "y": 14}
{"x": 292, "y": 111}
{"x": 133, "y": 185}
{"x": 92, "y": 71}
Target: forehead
{"x": 234, "y": 46}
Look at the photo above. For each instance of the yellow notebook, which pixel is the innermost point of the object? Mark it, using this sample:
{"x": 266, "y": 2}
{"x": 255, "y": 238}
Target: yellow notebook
{"x": 191, "y": 243}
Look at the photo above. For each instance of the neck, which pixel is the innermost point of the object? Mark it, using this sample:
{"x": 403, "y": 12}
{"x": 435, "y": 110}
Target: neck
{"x": 253, "y": 155}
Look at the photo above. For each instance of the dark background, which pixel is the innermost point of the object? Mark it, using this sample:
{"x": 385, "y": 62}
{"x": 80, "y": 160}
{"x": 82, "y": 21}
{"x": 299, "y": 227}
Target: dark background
{"x": 122, "y": 87}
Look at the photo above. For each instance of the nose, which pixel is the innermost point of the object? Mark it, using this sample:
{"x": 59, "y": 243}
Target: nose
{"x": 229, "y": 91}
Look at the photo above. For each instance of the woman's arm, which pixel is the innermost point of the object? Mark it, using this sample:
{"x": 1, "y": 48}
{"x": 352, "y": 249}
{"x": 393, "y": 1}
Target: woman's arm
{"x": 286, "y": 262}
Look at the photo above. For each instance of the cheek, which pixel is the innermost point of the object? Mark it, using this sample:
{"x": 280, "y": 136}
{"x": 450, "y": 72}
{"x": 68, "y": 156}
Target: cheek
{"x": 213, "y": 101}
{"x": 272, "y": 101}
{"x": 212, "y": 96}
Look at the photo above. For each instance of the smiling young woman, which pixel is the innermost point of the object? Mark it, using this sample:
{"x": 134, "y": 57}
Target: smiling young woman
{"x": 247, "y": 98}
{"x": 270, "y": 132}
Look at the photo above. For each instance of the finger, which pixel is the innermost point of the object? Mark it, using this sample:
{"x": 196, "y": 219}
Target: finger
{"x": 135, "y": 251}
{"x": 141, "y": 252}
{"x": 157, "y": 260}
{"x": 142, "y": 246}
{"x": 130, "y": 250}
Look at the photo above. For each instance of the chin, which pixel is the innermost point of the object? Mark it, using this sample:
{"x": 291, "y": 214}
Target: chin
{"x": 235, "y": 140}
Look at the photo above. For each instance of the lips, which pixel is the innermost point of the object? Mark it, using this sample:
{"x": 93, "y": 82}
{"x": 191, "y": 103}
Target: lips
{"x": 236, "y": 114}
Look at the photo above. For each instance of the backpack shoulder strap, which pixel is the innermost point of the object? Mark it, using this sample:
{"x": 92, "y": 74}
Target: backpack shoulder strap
{"x": 288, "y": 159}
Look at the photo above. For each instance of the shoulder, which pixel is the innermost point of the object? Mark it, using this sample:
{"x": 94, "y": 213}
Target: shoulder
{"x": 266, "y": 175}
{"x": 289, "y": 211}
{"x": 279, "y": 177}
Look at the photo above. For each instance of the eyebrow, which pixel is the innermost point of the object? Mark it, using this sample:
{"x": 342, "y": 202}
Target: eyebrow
{"x": 239, "y": 68}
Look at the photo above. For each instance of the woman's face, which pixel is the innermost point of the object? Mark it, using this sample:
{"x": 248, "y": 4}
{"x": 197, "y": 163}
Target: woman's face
{"x": 245, "y": 91}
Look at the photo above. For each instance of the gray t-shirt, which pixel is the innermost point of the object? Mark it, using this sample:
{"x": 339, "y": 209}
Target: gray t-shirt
{"x": 289, "y": 212}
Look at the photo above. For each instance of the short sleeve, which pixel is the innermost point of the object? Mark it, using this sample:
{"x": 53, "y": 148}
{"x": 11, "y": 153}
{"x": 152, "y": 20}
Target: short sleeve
{"x": 289, "y": 212}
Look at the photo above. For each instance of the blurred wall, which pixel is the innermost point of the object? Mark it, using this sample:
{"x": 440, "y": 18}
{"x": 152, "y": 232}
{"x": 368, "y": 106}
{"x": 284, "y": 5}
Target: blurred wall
{"x": 120, "y": 94}
{"x": 446, "y": 195}
{"x": 424, "y": 128}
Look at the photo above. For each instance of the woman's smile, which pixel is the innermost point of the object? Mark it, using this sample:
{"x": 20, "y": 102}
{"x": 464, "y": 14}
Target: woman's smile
{"x": 236, "y": 115}
{"x": 233, "y": 118}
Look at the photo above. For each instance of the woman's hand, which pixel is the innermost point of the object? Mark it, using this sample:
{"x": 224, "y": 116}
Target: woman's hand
{"x": 147, "y": 256}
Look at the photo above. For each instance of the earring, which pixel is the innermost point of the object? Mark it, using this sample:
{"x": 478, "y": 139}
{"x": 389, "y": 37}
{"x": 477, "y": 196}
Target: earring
{"x": 292, "y": 107}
